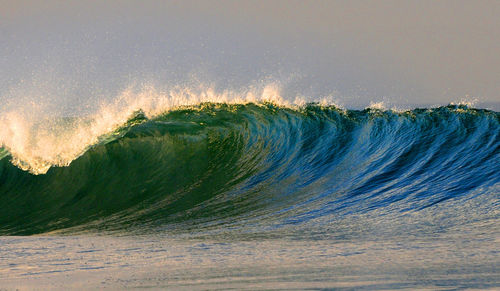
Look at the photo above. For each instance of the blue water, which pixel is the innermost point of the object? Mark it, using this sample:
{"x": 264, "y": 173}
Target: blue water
{"x": 261, "y": 196}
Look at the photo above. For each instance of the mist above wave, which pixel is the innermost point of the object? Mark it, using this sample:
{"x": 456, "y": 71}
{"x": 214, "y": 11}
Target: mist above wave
{"x": 38, "y": 139}
{"x": 37, "y": 142}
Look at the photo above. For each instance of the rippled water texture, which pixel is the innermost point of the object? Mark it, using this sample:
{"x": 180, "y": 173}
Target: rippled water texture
{"x": 259, "y": 196}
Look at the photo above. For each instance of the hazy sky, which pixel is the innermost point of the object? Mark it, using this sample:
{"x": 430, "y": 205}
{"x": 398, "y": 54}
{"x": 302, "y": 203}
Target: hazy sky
{"x": 397, "y": 51}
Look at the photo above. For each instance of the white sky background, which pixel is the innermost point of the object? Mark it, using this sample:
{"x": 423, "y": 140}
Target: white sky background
{"x": 402, "y": 52}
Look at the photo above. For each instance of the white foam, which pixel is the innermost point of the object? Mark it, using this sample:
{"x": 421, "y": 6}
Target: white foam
{"x": 467, "y": 101}
{"x": 377, "y": 105}
{"x": 36, "y": 144}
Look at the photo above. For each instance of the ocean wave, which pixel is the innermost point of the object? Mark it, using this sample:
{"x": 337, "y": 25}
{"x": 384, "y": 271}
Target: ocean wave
{"x": 260, "y": 164}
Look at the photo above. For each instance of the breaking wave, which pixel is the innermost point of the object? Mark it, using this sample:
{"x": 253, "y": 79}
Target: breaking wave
{"x": 248, "y": 166}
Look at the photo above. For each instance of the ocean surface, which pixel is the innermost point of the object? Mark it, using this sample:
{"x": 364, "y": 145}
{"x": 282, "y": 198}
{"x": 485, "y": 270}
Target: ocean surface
{"x": 252, "y": 196}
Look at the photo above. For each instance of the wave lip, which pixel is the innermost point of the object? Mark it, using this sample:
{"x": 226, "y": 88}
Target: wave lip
{"x": 264, "y": 165}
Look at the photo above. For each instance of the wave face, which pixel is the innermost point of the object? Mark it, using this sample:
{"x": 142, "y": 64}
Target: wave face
{"x": 261, "y": 168}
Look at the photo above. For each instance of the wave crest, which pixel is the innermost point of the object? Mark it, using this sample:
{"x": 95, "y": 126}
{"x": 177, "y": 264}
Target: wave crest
{"x": 213, "y": 162}
{"x": 37, "y": 143}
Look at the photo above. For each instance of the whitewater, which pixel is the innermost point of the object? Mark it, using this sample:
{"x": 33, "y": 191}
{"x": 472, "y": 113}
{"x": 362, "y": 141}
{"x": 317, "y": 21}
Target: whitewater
{"x": 249, "y": 189}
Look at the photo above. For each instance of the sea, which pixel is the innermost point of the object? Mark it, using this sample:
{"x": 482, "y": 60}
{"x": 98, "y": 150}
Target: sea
{"x": 202, "y": 194}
